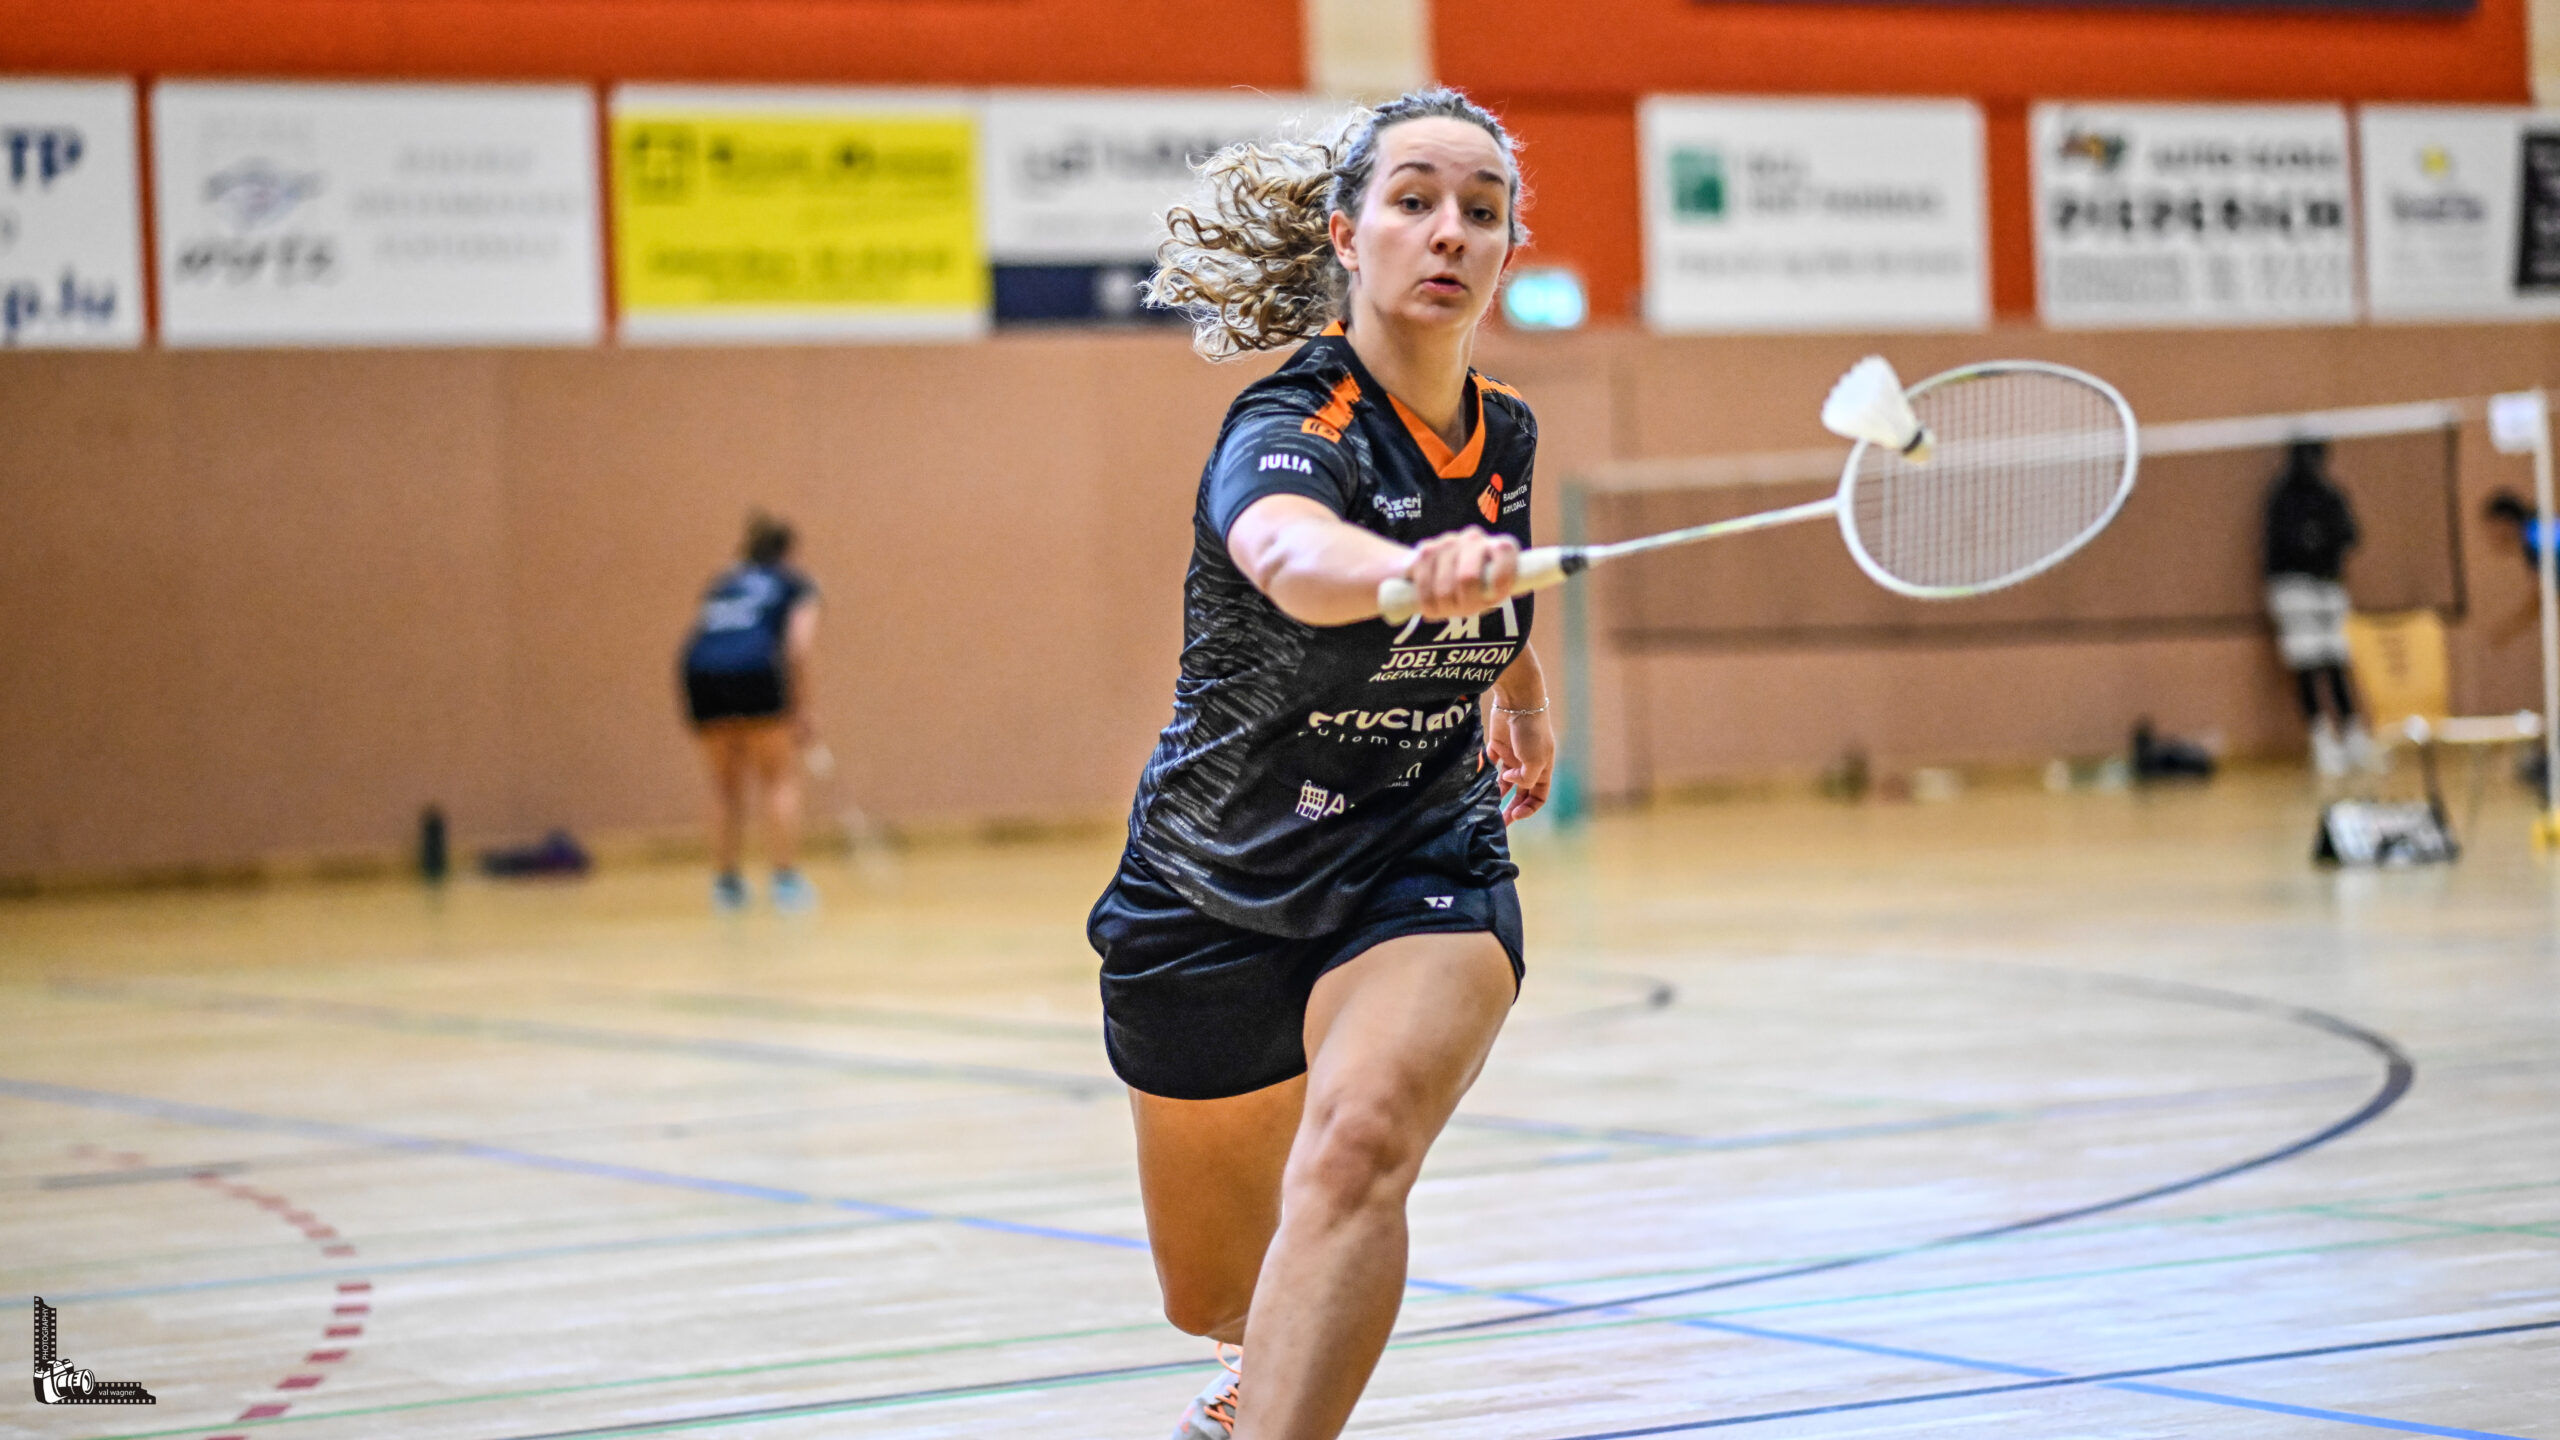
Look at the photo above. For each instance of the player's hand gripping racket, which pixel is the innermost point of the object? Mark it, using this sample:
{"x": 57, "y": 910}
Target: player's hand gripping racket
{"x": 1971, "y": 481}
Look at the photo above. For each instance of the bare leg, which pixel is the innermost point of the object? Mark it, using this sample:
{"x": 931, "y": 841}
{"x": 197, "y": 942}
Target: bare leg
{"x": 776, "y": 757}
{"x": 725, "y": 757}
{"x": 1394, "y": 1040}
{"x": 1210, "y": 1173}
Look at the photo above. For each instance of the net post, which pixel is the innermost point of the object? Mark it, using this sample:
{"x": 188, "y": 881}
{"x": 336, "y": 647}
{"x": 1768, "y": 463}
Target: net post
{"x": 1570, "y": 801}
{"x": 2546, "y": 828}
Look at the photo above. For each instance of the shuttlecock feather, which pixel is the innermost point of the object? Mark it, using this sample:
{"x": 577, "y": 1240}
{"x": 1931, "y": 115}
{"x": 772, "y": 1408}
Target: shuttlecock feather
{"x": 1868, "y": 404}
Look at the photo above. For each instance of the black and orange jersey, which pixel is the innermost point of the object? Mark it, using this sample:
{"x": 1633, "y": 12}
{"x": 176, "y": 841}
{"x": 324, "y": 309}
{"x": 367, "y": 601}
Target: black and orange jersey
{"x": 1303, "y": 762}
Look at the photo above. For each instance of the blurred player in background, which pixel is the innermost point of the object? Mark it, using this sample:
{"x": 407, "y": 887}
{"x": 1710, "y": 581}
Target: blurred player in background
{"x": 2310, "y": 529}
{"x": 1312, "y": 938}
{"x": 2533, "y": 534}
{"x": 746, "y": 689}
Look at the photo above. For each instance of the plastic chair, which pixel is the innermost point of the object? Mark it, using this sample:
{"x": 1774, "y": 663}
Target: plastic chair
{"x": 2401, "y": 674}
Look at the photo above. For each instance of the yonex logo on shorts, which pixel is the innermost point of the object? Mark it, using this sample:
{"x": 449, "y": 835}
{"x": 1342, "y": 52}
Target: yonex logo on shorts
{"x": 1439, "y": 902}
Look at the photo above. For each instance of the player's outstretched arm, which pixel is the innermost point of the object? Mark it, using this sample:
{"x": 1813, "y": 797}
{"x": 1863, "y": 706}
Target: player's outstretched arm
{"x": 1321, "y": 570}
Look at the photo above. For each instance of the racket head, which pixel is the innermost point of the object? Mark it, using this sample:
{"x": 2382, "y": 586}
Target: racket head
{"x": 2030, "y": 461}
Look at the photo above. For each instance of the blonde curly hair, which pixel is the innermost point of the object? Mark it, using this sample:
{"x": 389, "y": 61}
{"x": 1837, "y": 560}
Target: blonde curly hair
{"x": 1250, "y": 260}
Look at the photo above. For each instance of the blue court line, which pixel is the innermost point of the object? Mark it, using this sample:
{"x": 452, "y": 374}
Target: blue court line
{"x": 591, "y": 1037}
{"x": 1547, "y": 1306}
{"x": 2111, "y": 1379}
{"x": 2399, "y": 1075}
{"x": 220, "y": 1118}
{"x": 426, "y": 1022}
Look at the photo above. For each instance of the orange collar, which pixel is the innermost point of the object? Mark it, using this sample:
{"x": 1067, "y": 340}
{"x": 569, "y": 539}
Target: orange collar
{"x": 1458, "y": 466}
{"x": 1448, "y": 466}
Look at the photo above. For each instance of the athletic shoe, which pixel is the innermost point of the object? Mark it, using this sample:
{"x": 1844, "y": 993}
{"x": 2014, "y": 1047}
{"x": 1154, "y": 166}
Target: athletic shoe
{"x": 2361, "y": 752}
{"x": 793, "y": 895}
{"x": 1212, "y": 1413}
{"x": 728, "y": 893}
{"x": 2328, "y": 751}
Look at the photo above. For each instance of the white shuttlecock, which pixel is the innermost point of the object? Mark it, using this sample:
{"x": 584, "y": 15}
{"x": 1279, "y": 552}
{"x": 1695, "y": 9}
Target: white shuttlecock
{"x": 1868, "y": 404}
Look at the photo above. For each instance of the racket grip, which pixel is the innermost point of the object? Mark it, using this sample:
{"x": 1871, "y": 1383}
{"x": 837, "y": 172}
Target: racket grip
{"x": 1547, "y": 565}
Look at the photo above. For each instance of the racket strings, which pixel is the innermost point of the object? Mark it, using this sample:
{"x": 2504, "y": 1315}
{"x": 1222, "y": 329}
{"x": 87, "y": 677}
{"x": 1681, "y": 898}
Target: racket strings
{"x": 2028, "y": 465}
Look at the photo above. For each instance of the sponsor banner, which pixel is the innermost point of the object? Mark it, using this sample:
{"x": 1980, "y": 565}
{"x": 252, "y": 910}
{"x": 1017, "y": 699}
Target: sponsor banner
{"x": 1765, "y": 215}
{"x": 2450, "y": 215}
{"x": 377, "y": 214}
{"x": 1076, "y": 186}
{"x": 70, "y": 226}
{"x": 796, "y": 214}
{"x": 2192, "y": 215}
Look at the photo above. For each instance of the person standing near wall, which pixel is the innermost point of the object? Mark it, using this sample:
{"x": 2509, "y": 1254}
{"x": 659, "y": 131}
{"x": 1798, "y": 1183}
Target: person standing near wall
{"x": 2310, "y": 529}
{"x": 746, "y": 671}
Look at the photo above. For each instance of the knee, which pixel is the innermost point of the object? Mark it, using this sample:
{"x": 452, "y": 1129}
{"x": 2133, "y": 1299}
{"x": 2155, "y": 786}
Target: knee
{"x": 1196, "y": 1308}
{"x": 1360, "y": 1152}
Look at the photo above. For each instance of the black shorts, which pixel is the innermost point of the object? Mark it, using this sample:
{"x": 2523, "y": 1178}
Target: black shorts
{"x": 1197, "y": 1009}
{"x": 733, "y": 695}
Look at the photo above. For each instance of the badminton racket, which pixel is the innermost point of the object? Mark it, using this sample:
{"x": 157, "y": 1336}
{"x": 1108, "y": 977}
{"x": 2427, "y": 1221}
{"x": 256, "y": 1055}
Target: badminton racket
{"x": 1968, "y": 482}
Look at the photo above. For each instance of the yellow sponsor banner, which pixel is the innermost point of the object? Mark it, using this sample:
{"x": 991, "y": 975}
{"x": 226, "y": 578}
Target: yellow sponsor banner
{"x": 780, "y": 222}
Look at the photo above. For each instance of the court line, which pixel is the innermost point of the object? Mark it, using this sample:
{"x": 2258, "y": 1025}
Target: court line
{"x": 221, "y": 1118}
{"x": 591, "y": 1037}
{"x": 2046, "y": 1380}
{"x": 1085, "y": 1087}
{"x": 2399, "y": 1073}
{"x": 1713, "y": 1320}
{"x": 2114, "y": 1379}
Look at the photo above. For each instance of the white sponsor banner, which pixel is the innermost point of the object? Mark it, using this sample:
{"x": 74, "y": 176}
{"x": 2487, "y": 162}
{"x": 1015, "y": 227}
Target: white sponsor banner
{"x": 1764, "y": 215}
{"x": 70, "y": 215}
{"x": 2192, "y": 215}
{"x": 1084, "y": 178}
{"x": 2439, "y": 210}
{"x": 377, "y": 214}
{"x": 2441, "y": 219}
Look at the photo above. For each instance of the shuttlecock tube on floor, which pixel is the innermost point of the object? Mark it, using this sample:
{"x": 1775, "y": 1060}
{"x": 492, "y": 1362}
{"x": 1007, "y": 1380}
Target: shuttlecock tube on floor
{"x": 1868, "y": 404}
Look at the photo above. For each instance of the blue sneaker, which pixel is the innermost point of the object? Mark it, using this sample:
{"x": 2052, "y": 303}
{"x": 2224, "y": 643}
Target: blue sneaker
{"x": 793, "y": 895}
{"x": 728, "y": 893}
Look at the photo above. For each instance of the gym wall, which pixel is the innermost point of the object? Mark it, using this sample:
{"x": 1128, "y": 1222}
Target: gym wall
{"x": 273, "y": 602}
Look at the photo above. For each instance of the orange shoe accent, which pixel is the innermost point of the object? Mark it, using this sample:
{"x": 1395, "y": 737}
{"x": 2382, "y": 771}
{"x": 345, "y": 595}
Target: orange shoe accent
{"x": 1223, "y": 1409}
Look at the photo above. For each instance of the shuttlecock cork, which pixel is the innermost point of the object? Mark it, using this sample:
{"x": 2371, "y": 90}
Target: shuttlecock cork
{"x": 1868, "y": 404}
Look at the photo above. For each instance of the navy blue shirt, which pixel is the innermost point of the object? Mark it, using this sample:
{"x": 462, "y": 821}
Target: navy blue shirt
{"x": 1304, "y": 762}
{"x": 743, "y": 617}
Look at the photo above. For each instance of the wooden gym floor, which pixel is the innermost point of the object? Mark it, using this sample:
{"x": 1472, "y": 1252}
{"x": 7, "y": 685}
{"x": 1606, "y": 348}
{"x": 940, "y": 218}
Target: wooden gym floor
{"x": 2014, "y": 1115}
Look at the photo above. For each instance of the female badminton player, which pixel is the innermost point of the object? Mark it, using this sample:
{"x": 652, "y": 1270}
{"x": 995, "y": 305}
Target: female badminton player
{"x": 746, "y": 688}
{"x": 1312, "y": 937}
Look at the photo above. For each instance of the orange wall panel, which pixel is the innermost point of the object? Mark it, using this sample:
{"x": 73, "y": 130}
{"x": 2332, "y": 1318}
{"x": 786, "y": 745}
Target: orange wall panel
{"x": 1580, "y": 165}
{"x": 995, "y": 42}
{"x": 1535, "y": 49}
